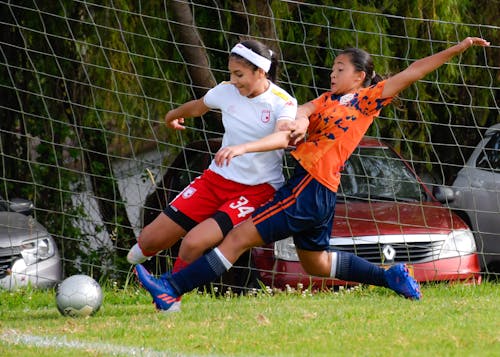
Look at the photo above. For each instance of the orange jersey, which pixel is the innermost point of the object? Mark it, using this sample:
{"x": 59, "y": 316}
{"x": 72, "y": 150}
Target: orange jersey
{"x": 336, "y": 127}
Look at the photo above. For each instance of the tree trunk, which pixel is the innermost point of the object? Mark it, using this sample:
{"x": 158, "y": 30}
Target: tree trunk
{"x": 193, "y": 52}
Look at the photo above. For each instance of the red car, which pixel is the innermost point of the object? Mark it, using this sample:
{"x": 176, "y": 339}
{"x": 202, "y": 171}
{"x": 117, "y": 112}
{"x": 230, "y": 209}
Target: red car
{"x": 384, "y": 214}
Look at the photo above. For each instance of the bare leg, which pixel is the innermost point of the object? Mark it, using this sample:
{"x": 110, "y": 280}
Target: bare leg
{"x": 240, "y": 239}
{"x": 205, "y": 235}
{"x": 160, "y": 234}
{"x": 316, "y": 263}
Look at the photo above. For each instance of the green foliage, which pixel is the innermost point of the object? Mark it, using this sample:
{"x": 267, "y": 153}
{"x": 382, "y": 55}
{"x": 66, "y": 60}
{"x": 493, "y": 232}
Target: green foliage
{"x": 134, "y": 73}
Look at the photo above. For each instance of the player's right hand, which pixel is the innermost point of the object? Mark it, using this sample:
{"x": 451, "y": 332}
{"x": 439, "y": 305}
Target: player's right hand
{"x": 299, "y": 130}
{"x": 173, "y": 122}
{"x": 224, "y": 155}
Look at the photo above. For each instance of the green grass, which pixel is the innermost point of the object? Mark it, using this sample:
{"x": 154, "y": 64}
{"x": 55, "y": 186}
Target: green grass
{"x": 451, "y": 320}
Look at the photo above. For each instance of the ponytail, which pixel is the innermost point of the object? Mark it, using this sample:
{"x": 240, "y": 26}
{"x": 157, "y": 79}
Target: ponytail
{"x": 363, "y": 62}
{"x": 375, "y": 78}
{"x": 272, "y": 75}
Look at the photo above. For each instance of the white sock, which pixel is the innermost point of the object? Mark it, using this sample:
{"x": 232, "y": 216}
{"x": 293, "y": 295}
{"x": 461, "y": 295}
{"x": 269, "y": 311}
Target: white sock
{"x": 333, "y": 268}
{"x": 227, "y": 263}
{"x": 135, "y": 255}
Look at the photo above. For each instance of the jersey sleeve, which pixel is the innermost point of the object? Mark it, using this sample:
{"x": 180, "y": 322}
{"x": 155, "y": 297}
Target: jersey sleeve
{"x": 370, "y": 101}
{"x": 288, "y": 110}
{"x": 212, "y": 97}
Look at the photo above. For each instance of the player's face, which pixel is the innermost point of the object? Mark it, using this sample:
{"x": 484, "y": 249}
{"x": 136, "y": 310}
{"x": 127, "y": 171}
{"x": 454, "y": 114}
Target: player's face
{"x": 249, "y": 82}
{"x": 344, "y": 77}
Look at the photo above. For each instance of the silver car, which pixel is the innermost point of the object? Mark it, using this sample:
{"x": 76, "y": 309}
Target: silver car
{"x": 475, "y": 195}
{"x": 28, "y": 253}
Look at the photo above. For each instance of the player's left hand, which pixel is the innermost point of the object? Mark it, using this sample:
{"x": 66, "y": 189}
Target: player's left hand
{"x": 473, "y": 41}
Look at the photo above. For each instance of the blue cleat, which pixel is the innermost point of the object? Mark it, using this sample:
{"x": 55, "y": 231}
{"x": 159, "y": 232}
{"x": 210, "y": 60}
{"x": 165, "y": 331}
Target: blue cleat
{"x": 401, "y": 282}
{"x": 164, "y": 296}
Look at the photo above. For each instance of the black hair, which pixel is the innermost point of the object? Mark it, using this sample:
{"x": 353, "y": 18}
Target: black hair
{"x": 362, "y": 61}
{"x": 264, "y": 51}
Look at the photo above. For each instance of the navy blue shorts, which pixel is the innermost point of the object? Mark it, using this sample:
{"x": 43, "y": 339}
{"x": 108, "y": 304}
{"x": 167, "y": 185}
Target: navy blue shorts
{"x": 303, "y": 208}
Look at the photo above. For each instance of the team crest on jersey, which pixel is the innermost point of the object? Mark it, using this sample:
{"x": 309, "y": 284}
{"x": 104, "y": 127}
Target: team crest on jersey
{"x": 346, "y": 98}
{"x": 188, "y": 192}
{"x": 265, "y": 116}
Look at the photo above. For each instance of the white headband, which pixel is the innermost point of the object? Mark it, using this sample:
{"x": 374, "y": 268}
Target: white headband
{"x": 253, "y": 57}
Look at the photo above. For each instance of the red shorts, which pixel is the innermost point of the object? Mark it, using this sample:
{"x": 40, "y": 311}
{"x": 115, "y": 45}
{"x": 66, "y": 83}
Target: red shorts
{"x": 211, "y": 193}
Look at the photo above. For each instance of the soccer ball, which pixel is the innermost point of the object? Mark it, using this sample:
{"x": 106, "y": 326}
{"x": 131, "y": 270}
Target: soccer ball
{"x": 79, "y": 296}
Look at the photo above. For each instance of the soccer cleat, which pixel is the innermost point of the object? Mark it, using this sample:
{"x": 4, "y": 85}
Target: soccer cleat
{"x": 401, "y": 282}
{"x": 135, "y": 255}
{"x": 164, "y": 296}
{"x": 176, "y": 306}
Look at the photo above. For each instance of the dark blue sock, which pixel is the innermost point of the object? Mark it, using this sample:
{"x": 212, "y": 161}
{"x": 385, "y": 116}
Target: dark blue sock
{"x": 350, "y": 267}
{"x": 202, "y": 271}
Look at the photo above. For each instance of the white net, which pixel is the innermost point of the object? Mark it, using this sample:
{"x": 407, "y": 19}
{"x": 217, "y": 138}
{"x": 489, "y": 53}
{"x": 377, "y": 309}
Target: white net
{"x": 85, "y": 86}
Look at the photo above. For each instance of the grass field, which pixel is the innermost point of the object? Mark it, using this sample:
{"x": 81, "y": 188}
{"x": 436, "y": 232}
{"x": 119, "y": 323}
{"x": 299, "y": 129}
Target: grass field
{"x": 451, "y": 320}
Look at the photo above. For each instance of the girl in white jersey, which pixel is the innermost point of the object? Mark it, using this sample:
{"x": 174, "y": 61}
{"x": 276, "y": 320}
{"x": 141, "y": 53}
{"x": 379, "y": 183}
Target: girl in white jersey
{"x": 252, "y": 107}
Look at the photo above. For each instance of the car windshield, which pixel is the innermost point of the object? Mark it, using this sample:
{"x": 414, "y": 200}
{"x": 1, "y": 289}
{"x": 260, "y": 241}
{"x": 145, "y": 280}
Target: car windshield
{"x": 490, "y": 156}
{"x": 377, "y": 173}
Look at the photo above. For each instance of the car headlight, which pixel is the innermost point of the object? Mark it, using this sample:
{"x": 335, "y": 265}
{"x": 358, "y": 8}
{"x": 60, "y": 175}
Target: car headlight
{"x": 36, "y": 250}
{"x": 458, "y": 243}
{"x": 285, "y": 250}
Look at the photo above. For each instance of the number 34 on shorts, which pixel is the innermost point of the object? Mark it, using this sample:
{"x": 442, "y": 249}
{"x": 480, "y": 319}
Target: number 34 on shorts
{"x": 240, "y": 205}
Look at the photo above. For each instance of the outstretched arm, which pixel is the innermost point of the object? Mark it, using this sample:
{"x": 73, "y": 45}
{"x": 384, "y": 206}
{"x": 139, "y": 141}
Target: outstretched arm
{"x": 274, "y": 141}
{"x": 419, "y": 69}
{"x": 279, "y": 139}
{"x": 194, "y": 108}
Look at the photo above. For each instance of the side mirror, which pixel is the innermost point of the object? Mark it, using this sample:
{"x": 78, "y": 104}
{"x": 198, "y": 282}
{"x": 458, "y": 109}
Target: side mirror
{"x": 443, "y": 194}
{"x": 21, "y": 205}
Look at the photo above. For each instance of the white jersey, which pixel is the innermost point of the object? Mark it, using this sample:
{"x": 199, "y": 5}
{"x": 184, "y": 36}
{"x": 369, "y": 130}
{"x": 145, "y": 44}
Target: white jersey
{"x": 249, "y": 119}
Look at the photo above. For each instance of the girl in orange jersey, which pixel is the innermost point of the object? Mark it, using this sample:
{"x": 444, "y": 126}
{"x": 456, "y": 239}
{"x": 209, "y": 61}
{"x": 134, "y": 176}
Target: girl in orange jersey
{"x": 304, "y": 207}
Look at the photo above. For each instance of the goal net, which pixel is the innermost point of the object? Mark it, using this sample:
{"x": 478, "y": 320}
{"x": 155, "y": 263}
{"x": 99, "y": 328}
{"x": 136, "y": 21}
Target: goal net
{"x": 85, "y": 86}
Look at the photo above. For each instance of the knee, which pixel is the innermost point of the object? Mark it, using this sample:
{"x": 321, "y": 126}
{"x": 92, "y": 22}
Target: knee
{"x": 192, "y": 248}
{"x": 189, "y": 244}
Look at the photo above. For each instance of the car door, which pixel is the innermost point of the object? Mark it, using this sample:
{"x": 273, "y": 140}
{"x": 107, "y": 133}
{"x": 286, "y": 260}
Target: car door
{"x": 477, "y": 192}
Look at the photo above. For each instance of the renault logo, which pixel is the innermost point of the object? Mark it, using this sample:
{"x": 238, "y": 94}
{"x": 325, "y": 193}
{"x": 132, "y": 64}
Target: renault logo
{"x": 389, "y": 252}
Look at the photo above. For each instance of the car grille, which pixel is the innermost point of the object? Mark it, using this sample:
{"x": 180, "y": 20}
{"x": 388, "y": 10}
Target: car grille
{"x": 417, "y": 252}
{"x": 7, "y": 257}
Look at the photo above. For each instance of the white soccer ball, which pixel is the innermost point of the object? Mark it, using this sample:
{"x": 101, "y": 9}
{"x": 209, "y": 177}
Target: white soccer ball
{"x": 79, "y": 295}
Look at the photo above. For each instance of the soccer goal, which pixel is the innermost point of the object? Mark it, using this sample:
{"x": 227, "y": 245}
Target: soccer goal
{"x": 86, "y": 85}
